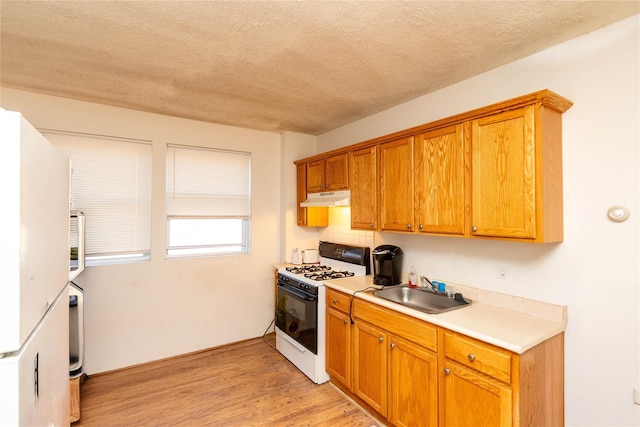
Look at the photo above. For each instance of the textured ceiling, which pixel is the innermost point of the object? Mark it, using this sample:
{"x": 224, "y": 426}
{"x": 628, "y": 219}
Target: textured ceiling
{"x": 304, "y": 66}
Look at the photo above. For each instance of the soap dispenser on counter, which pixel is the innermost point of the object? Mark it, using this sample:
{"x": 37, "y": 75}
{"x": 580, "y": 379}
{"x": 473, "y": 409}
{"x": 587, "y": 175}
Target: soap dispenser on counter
{"x": 413, "y": 279}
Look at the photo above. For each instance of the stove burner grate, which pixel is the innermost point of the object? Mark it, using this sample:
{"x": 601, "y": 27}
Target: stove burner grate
{"x": 328, "y": 275}
{"x": 308, "y": 269}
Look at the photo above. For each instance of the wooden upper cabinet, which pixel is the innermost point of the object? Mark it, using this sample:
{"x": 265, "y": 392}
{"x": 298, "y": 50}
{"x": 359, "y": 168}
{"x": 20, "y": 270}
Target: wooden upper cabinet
{"x": 308, "y": 217}
{"x": 440, "y": 177}
{"x": 517, "y": 175}
{"x": 363, "y": 184}
{"x": 337, "y": 172}
{"x": 328, "y": 174}
{"x": 315, "y": 176}
{"x": 301, "y": 191}
{"x": 396, "y": 185}
{"x": 494, "y": 172}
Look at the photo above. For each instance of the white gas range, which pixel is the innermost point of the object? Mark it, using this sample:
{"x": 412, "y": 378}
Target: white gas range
{"x": 301, "y": 306}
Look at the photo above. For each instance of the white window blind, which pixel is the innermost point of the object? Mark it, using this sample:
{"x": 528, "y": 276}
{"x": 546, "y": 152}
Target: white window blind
{"x": 208, "y": 201}
{"x": 207, "y": 183}
{"x": 111, "y": 183}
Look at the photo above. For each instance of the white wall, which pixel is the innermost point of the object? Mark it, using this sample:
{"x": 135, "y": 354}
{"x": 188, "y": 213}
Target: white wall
{"x": 595, "y": 270}
{"x": 294, "y": 146}
{"x": 146, "y": 311}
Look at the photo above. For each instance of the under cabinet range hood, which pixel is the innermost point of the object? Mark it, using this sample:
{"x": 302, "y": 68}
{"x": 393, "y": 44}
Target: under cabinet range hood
{"x": 327, "y": 198}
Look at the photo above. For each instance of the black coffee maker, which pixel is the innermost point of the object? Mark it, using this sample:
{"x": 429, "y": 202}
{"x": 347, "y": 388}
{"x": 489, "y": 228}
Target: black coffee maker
{"x": 387, "y": 265}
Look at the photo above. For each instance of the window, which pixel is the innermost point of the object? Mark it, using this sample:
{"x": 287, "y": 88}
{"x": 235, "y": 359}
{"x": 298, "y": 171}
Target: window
{"x": 208, "y": 201}
{"x": 111, "y": 184}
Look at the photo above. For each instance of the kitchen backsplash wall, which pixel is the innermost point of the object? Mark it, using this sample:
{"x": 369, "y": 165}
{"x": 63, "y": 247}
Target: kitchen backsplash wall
{"x": 339, "y": 229}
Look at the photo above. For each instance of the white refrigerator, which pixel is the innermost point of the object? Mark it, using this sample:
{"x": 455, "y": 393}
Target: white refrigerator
{"x": 34, "y": 260}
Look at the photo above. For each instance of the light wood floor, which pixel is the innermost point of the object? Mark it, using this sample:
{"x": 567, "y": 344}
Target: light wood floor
{"x": 243, "y": 384}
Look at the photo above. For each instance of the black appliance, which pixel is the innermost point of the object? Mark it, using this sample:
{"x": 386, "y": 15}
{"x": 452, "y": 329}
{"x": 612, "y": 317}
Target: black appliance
{"x": 387, "y": 265}
{"x": 297, "y": 311}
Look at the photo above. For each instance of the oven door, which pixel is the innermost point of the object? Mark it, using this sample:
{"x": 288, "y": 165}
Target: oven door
{"x": 297, "y": 316}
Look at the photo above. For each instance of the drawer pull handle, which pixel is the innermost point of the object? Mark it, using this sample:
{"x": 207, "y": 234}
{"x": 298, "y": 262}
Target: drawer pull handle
{"x": 471, "y": 357}
{"x": 447, "y": 371}
{"x": 335, "y": 301}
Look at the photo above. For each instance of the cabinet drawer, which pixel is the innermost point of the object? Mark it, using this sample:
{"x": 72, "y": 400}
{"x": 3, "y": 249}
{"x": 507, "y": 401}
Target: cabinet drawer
{"x": 415, "y": 330}
{"x": 338, "y": 300}
{"x": 477, "y": 355}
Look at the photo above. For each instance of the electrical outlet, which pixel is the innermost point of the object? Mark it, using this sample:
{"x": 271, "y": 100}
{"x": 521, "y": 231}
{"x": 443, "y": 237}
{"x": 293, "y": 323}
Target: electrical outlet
{"x": 636, "y": 396}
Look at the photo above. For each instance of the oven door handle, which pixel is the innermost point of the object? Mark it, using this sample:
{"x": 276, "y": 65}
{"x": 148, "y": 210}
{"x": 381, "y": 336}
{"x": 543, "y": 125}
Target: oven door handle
{"x": 298, "y": 293}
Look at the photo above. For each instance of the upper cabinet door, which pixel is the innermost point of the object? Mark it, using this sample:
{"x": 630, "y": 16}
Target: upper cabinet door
{"x": 337, "y": 172}
{"x": 440, "y": 180}
{"x": 315, "y": 176}
{"x": 504, "y": 175}
{"x": 364, "y": 189}
{"x": 396, "y": 185}
{"x": 328, "y": 174}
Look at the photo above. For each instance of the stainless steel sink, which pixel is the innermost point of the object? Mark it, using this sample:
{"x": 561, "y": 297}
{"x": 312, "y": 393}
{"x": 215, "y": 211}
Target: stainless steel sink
{"x": 428, "y": 302}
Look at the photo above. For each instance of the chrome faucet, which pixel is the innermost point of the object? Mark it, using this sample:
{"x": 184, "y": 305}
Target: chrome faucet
{"x": 426, "y": 285}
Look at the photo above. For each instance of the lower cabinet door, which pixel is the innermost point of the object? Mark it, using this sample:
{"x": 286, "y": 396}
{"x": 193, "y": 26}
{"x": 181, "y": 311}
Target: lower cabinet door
{"x": 473, "y": 399}
{"x": 339, "y": 347}
{"x": 370, "y": 366}
{"x": 414, "y": 384}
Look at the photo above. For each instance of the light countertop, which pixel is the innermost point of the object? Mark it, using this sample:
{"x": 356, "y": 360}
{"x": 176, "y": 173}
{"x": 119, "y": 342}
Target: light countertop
{"x": 513, "y": 323}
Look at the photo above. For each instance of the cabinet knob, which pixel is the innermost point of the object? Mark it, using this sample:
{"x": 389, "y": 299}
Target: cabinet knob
{"x": 474, "y": 228}
{"x": 372, "y": 225}
{"x": 408, "y": 226}
{"x": 335, "y": 301}
{"x": 392, "y": 345}
{"x": 420, "y": 226}
{"x": 380, "y": 339}
{"x": 447, "y": 371}
{"x": 345, "y": 322}
{"x": 471, "y": 357}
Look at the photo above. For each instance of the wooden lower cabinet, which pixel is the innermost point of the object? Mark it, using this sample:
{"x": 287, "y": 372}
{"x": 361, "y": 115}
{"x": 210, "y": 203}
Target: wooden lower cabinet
{"x": 397, "y": 378}
{"x": 485, "y": 385}
{"x": 475, "y": 400}
{"x": 395, "y": 370}
{"x": 339, "y": 347}
{"x": 370, "y": 365}
{"x": 413, "y": 373}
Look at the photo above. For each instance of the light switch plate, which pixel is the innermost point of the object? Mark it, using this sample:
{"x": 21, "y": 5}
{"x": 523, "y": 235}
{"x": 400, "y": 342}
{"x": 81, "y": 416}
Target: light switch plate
{"x": 636, "y": 396}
